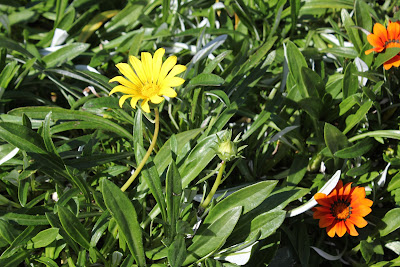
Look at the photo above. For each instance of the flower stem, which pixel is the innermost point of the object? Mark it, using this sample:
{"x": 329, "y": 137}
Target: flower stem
{"x": 215, "y": 186}
{"x": 146, "y": 157}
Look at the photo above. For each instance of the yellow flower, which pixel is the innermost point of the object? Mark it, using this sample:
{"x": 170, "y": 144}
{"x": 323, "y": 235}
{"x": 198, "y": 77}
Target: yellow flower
{"x": 149, "y": 79}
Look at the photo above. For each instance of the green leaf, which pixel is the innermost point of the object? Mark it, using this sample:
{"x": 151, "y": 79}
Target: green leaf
{"x": 296, "y": 62}
{"x": 64, "y": 54}
{"x": 127, "y": 17}
{"x": 55, "y": 223}
{"x": 48, "y": 142}
{"x": 211, "y": 236}
{"x": 394, "y": 134}
{"x": 353, "y": 119}
{"x": 367, "y": 250}
{"x": 66, "y": 114}
{"x": 221, "y": 95}
{"x": 199, "y": 158}
{"x": 264, "y": 225}
{"x": 345, "y": 52}
{"x": 7, "y": 231}
{"x": 96, "y": 160}
{"x": 163, "y": 158}
{"x": 173, "y": 196}
{"x": 390, "y": 222}
{"x": 298, "y": 169}
{"x": 335, "y": 140}
{"x": 363, "y": 18}
{"x": 312, "y": 105}
{"x": 23, "y": 189}
{"x": 73, "y": 227}
{"x": 356, "y": 150}
{"x": 204, "y": 79}
{"x": 20, "y": 241}
{"x": 249, "y": 198}
{"x": 26, "y": 219}
{"x": 214, "y": 63}
{"x": 15, "y": 259}
{"x": 350, "y": 81}
{"x": 22, "y": 137}
{"x": 347, "y": 104}
{"x": 351, "y": 30}
{"x": 387, "y": 55}
{"x": 394, "y": 182}
{"x": 10, "y": 44}
{"x": 256, "y": 57}
{"x": 150, "y": 175}
{"x": 177, "y": 252}
{"x": 95, "y": 23}
{"x": 124, "y": 213}
{"x": 312, "y": 81}
{"x": 47, "y": 261}
{"x": 43, "y": 238}
{"x": 258, "y": 122}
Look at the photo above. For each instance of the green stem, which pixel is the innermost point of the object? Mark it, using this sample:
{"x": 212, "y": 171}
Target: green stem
{"x": 146, "y": 157}
{"x": 215, "y": 186}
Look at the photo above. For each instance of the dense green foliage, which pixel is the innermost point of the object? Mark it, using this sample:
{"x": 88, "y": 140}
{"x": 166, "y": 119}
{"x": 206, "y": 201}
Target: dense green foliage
{"x": 291, "y": 77}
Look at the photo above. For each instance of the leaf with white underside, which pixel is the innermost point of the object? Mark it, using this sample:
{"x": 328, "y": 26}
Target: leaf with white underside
{"x": 326, "y": 189}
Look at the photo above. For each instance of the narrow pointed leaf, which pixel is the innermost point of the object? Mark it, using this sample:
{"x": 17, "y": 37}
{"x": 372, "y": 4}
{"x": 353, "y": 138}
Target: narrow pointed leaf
{"x": 122, "y": 210}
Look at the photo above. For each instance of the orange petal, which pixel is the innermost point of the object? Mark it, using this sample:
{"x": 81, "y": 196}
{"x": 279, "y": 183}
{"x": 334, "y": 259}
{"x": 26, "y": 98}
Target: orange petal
{"x": 361, "y": 211}
{"x": 339, "y": 185}
{"x": 363, "y": 201}
{"x": 347, "y": 189}
{"x": 358, "y": 221}
{"x": 333, "y": 196}
{"x": 330, "y": 230}
{"x": 357, "y": 193}
{"x": 381, "y": 32}
{"x": 326, "y": 221}
{"x": 322, "y": 199}
{"x": 350, "y": 228}
{"x": 375, "y": 41}
{"x": 340, "y": 228}
{"x": 322, "y": 209}
{"x": 395, "y": 61}
{"x": 393, "y": 30}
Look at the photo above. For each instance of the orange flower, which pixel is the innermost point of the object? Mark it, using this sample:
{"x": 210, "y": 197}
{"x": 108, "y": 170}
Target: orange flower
{"x": 382, "y": 39}
{"x": 343, "y": 208}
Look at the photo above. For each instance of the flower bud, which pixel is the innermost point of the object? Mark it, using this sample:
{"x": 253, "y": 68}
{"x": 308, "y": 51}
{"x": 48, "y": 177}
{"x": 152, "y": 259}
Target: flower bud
{"x": 226, "y": 149}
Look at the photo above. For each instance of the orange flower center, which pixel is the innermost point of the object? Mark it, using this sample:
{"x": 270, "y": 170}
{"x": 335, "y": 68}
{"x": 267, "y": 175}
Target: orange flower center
{"x": 392, "y": 43}
{"x": 341, "y": 210}
{"x": 150, "y": 89}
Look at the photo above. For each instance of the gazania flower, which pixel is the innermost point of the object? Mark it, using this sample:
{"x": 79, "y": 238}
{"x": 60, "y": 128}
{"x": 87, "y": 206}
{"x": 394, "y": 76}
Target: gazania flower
{"x": 382, "y": 39}
{"x": 343, "y": 208}
{"x": 148, "y": 79}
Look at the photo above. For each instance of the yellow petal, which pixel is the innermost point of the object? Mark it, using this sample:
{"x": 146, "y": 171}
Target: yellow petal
{"x": 147, "y": 63}
{"x": 176, "y": 70}
{"x": 134, "y": 101}
{"x": 167, "y": 91}
{"x": 123, "y": 81}
{"x": 127, "y": 71}
{"x": 156, "y": 99}
{"x": 166, "y": 67}
{"x": 157, "y": 62}
{"x": 145, "y": 106}
{"x": 138, "y": 67}
{"x": 122, "y": 99}
{"x": 122, "y": 89}
{"x": 172, "y": 82}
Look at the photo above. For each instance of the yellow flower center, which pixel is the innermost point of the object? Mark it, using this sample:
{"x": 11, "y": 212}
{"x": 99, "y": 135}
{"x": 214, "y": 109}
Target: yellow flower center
{"x": 341, "y": 210}
{"x": 150, "y": 89}
{"x": 392, "y": 43}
